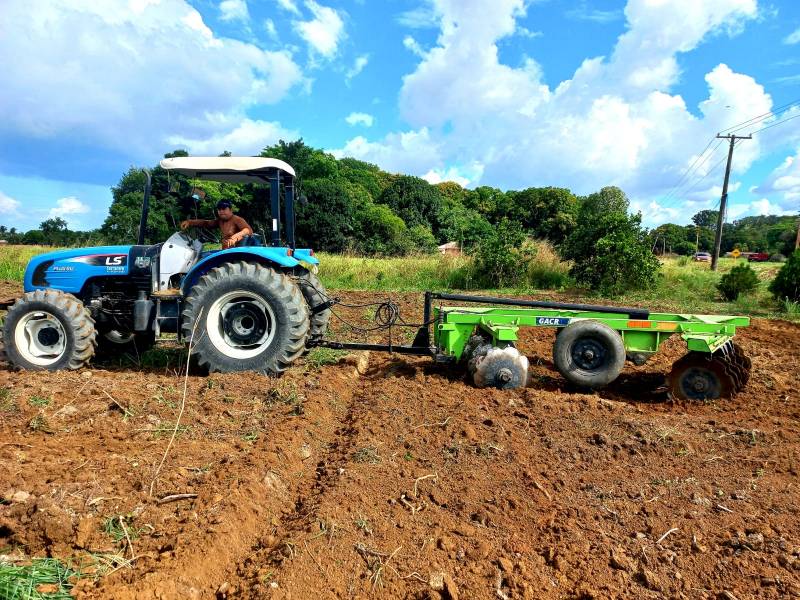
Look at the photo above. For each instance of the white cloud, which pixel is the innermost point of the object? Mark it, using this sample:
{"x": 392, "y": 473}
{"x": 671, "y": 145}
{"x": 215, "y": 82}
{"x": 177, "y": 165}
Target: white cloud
{"x": 9, "y": 207}
{"x": 269, "y": 27}
{"x": 241, "y": 138}
{"x": 423, "y": 17}
{"x": 67, "y": 208}
{"x": 324, "y": 32}
{"x": 411, "y": 44}
{"x": 234, "y": 10}
{"x": 793, "y": 38}
{"x": 359, "y": 118}
{"x": 586, "y": 13}
{"x": 408, "y": 152}
{"x": 783, "y": 184}
{"x": 527, "y": 33}
{"x": 289, "y": 5}
{"x": 128, "y": 76}
{"x": 358, "y": 66}
{"x": 463, "y": 177}
{"x": 615, "y": 122}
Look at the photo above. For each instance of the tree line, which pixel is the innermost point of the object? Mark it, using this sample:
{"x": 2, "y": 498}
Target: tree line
{"x": 348, "y": 205}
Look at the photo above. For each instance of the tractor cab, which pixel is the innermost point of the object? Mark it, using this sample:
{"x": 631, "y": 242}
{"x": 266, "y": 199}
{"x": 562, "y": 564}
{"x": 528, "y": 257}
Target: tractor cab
{"x": 181, "y": 252}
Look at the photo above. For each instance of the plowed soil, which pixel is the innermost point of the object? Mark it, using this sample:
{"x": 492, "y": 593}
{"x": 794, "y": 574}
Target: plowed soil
{"x": 403, "y": 481}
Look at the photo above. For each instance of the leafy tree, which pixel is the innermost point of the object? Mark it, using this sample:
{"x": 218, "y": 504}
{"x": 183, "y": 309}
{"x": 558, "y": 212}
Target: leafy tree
{"x": 414, "y": 200}
{"x": 380, "y": 231}
{"x": 54, "y": 230}
{"x": 501, "y": 259}
{"x": 706, "y": 218}
{"x": 787, "y": 282}
{"x": 546, "y": 213}
{"x": 421, "y": 240}
{"x": 463, "y": 225}
{"x": 327, "y": 221}
{"x": 610, "y": 250}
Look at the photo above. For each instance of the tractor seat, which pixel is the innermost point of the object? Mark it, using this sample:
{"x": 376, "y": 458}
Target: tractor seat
{"x": 250, "y": 240}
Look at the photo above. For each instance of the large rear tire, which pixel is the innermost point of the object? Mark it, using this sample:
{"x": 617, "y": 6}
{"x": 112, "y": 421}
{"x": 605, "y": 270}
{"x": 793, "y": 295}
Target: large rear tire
{"x": 245, "y": 317}
{"x": 315, "y": 295}
{"x": 48, "y": 330}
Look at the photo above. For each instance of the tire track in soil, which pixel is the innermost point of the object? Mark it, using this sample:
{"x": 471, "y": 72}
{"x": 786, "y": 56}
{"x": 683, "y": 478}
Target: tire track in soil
{"x": 277, "y": 551}
{"x": 244, "y": 522}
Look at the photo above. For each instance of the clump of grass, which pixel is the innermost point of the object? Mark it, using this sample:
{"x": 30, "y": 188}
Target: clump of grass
{"x": 286, "y": 393}
{"x": 39, "y": 401}
{"x": 250, "y": 436}
{"x": 791, "y": 309}
{"x": 363, "y": 524}
{"x": 24, "y": 582}
{"x": 320, "y": 357}
{"x": 368, "y": 454}
{"x": 116, "y": 526}
{"x": 39, "y": 423}
{"x": 7, "y": 404}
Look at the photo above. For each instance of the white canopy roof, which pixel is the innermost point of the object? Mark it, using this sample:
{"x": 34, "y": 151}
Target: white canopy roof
{"x": 233, "y": 169}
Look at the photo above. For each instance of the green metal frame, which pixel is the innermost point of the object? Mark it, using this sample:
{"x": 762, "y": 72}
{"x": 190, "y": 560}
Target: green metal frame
{"x": 704, "y": 333}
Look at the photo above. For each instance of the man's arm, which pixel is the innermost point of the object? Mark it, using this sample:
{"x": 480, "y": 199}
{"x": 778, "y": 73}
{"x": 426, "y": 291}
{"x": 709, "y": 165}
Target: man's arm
{"x": 205, "y": 223}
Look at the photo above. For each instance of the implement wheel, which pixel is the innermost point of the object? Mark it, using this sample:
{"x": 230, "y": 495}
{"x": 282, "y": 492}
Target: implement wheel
{"x": 703, "y": 376}
{"x": 245, "y": 317}
{"x": 48, "y": 330}
{"x": 502, "y": 368}
{"x": 589, "y": 354}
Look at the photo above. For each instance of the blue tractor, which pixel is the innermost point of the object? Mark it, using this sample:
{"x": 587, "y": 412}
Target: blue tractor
{"x": 254, "y": 307}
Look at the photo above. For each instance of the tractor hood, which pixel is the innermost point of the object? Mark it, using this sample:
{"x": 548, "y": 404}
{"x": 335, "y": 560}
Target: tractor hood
{"x": 68, "y": 270}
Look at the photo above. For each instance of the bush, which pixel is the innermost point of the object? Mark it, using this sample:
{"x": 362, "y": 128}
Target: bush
{"x": 740, "y": 280}
{"x": 545, "y": 270}
{"x": 610, "y": 250}
{"x": 501, "y": 260}
{"x": 786, "y": 284}
{"x": 777, "y": 258}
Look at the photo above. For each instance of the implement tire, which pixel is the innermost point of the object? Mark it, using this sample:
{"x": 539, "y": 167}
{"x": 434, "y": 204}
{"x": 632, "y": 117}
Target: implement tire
{"x": 315, "y": 294}
{"x": 245, "y": 317}
{"x": 589, "y": 354}
{"x": 48, "y": 330}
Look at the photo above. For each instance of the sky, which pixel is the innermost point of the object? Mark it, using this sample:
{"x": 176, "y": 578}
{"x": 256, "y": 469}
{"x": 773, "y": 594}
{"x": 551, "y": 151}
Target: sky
{"x": 505, "y": 93}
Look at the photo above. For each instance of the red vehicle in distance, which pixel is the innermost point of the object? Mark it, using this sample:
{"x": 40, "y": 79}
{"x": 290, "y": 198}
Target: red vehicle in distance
{"x": 758, "y": 257}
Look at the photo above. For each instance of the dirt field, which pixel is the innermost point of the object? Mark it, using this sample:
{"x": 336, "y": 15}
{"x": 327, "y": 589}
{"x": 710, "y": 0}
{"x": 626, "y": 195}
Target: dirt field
{"x": 405, "y": 482}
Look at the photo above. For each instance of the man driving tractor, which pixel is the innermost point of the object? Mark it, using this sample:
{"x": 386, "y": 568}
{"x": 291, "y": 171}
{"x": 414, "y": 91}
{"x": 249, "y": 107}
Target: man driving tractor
{"x": 232, "y": 227}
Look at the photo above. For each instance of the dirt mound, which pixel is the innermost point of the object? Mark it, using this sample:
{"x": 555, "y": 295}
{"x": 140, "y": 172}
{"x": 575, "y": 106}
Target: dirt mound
{"x": 405, "y": 482}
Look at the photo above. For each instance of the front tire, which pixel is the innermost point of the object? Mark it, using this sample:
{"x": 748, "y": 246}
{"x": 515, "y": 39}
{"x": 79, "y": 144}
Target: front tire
{"x": 245, "y": 317}
{"x": 48, "y": 330}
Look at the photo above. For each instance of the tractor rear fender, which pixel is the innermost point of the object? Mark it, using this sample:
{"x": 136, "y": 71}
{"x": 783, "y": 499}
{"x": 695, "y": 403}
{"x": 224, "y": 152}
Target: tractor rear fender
{"x": 268, "y": 256}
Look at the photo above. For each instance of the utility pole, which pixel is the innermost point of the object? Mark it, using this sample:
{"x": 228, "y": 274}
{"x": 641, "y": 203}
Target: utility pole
{"x": 797, "y": 241}
{"x": 696, "y": 238}
{"x": 724, "y": 199}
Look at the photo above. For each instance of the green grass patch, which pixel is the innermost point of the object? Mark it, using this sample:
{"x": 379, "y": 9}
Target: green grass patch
{"x": 38, "y": 401}
{"x": 44, "y": 578}
{"x": 7, "y": 404}
{"x": 116, "y": 526}
{"x": 320, "y": 357}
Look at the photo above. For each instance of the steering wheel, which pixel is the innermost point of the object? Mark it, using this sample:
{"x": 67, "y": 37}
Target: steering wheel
{"x": 201, "y": 233}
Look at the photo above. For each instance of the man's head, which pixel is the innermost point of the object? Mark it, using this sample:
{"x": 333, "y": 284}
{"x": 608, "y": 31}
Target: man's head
{"x": 224, "y": 210}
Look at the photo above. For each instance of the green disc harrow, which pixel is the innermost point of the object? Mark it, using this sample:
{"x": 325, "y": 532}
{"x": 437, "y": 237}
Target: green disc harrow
{"x": 591, "y": 346}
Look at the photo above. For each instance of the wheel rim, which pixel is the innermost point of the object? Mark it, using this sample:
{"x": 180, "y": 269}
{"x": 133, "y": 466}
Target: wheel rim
{"x": 698, "y": 383}
{"x": 40, "y": 338}
{"x": 240, "y": 324}
{"x": 589, "y": 354}
{"x": 117, "y": 337}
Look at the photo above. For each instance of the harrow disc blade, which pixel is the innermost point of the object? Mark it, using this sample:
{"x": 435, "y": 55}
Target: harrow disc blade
{"x": 700, "y": 376}
{"x": 503, "y": 368}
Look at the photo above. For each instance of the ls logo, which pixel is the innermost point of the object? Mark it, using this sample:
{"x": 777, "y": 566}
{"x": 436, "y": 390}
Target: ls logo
{"x": 114, "y": 261}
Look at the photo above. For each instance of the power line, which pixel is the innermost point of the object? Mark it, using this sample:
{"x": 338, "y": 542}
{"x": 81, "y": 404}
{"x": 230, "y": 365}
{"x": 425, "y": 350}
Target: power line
{"x": 673, "y": 195}
{"x": 775, "y": 124}
{"x": 762, "y": 116}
